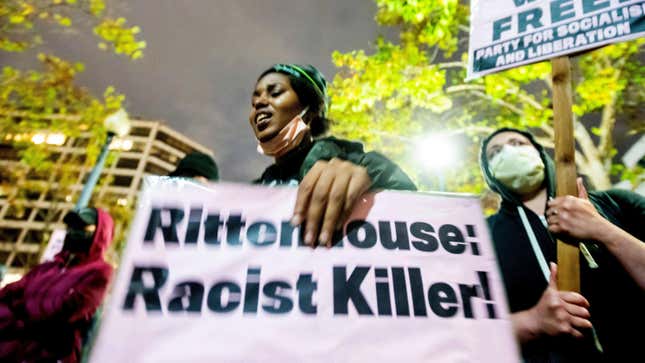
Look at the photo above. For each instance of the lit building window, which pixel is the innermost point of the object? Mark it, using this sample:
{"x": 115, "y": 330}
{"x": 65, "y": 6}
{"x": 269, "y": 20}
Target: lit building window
{"x": 56, "y": 139}
{"x": 44, "y": 205}
{"x": 38, "y": 139}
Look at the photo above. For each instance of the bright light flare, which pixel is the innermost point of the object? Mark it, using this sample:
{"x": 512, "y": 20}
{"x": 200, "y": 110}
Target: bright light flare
{"x": 115, "y": 144}
{"x": 437, "y": 151}
{"x": 126, "y": 145}
{"x": 38, "y": 138}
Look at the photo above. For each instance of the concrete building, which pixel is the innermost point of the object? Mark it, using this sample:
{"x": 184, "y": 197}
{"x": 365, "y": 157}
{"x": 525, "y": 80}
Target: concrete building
{"x": 29, "y": 212}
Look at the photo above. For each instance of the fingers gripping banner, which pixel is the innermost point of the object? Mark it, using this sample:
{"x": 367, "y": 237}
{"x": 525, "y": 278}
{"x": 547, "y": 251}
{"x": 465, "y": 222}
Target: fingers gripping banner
{"x": 218, "y": 274}
{"x": 509, "y": 33}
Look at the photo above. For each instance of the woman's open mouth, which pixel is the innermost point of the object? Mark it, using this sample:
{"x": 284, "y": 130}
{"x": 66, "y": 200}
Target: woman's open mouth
{"x": 262, "y": 120}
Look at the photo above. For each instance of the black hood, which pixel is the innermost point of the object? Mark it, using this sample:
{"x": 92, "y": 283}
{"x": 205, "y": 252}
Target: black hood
{"x": 508, "y": 195}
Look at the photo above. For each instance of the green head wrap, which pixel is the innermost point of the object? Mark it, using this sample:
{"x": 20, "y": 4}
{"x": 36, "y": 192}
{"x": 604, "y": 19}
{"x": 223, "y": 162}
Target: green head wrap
{"x": 309, "y": 73}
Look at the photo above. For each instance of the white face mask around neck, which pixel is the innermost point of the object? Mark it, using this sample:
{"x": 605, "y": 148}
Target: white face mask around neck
{"x": 290, "y": 136}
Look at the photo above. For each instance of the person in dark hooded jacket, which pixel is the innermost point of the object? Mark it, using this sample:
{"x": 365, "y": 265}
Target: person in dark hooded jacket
{"x": 288, "y": 117}
{"x": 604, "y": 322}
{"x": 44, "y": 315}
{"x": 198, "y": 166}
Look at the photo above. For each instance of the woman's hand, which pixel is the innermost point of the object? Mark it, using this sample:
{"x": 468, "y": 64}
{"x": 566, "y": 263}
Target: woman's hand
{"x": 556, "y": 313}
{"x": 326, "y": 197}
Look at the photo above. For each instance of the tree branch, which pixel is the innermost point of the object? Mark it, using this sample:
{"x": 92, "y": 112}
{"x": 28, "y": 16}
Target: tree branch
{"x": 465, "y": 87}
{"x": 581, "y": 160}
{"x": 545, "y": 142}
{"x": 462, "y": 130}
{"x": 435, "y": 52}
{"x": 526, "y": 98}
{"x": 548, "y": 130}
{"x": 479, "y": 90}
{"x": 452, "y": 65}
{"x": 594, "y": 167}
{"x": 608, "y": 120}
{"x": 26, "y": 114}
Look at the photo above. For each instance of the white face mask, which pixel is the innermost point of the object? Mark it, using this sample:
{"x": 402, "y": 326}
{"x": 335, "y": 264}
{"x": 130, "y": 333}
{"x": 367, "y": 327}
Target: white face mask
{"x": 287, "y": 139}
{"x": 519, "y": 168}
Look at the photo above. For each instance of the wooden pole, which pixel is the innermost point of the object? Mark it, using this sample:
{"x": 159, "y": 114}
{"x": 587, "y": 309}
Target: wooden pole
{"x": 565, "y": 165}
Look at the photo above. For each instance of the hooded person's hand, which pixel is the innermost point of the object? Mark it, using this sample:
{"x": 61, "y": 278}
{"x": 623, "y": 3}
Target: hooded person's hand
{"x": 575, "y": 216}
{"x": 556, "y": 313}
{"x": 326, "y": 197}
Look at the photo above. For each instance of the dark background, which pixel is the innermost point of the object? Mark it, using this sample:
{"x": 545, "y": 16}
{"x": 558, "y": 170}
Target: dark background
{"x": 203, "y": 58}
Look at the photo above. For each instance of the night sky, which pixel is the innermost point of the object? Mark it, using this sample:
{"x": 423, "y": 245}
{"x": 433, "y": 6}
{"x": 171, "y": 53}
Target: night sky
{"x": 203, "y": 57}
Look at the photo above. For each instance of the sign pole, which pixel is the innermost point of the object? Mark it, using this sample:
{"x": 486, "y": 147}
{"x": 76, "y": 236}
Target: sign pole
{"x": 565, "y": 165}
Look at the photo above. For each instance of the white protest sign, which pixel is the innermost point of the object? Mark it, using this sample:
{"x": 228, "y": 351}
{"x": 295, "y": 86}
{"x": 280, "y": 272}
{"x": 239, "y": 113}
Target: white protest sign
{"x": 508, "y": 33}
{"x": 55, "y": 244}
{"x": 217, "y": 274}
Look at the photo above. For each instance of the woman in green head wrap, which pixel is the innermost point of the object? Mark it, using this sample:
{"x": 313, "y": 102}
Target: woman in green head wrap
{"x": 289, "y": 118}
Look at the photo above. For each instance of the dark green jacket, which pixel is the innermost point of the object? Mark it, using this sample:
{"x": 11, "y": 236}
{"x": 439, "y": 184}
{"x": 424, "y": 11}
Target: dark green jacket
{"x": 617, "y": 302}
{"x": 294, "y": 166}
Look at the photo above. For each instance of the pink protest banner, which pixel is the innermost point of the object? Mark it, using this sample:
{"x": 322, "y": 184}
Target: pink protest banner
{"x": 217, "y": 274}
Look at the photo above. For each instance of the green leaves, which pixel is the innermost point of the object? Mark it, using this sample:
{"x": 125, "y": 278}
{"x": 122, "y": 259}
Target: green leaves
{"x": 43, "y": 107}
{"x": 37, "y": 158}
{"x": 97, "y": 7}
{"x": 122, "y": 39}
{"x": 606, "y": 73}
{"x": 62, "y": 20}
{"x": 50, "y": 98}
{"x": 426, "y": 22}
{"x": 391, "y": 93}
{"x": 20, "y": 22}
{"x": 31, "y": 101}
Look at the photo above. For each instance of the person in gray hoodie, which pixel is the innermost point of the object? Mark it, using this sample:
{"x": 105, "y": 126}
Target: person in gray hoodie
{"x": 602, "y": 322}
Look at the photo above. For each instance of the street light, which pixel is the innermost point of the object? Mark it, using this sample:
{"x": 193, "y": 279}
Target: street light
{"x": 117, "y": 124}
{"x": 436, "y": 152}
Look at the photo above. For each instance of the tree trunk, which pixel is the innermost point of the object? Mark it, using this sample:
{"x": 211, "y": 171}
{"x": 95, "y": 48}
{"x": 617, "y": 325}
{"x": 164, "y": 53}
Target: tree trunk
{"x": 593, "y": 166}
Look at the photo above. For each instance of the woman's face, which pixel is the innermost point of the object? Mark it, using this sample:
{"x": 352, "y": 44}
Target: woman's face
{"x": 273, "y": 104}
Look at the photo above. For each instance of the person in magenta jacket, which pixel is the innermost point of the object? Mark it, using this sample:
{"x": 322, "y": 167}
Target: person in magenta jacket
{"x": 44, "y": 315}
